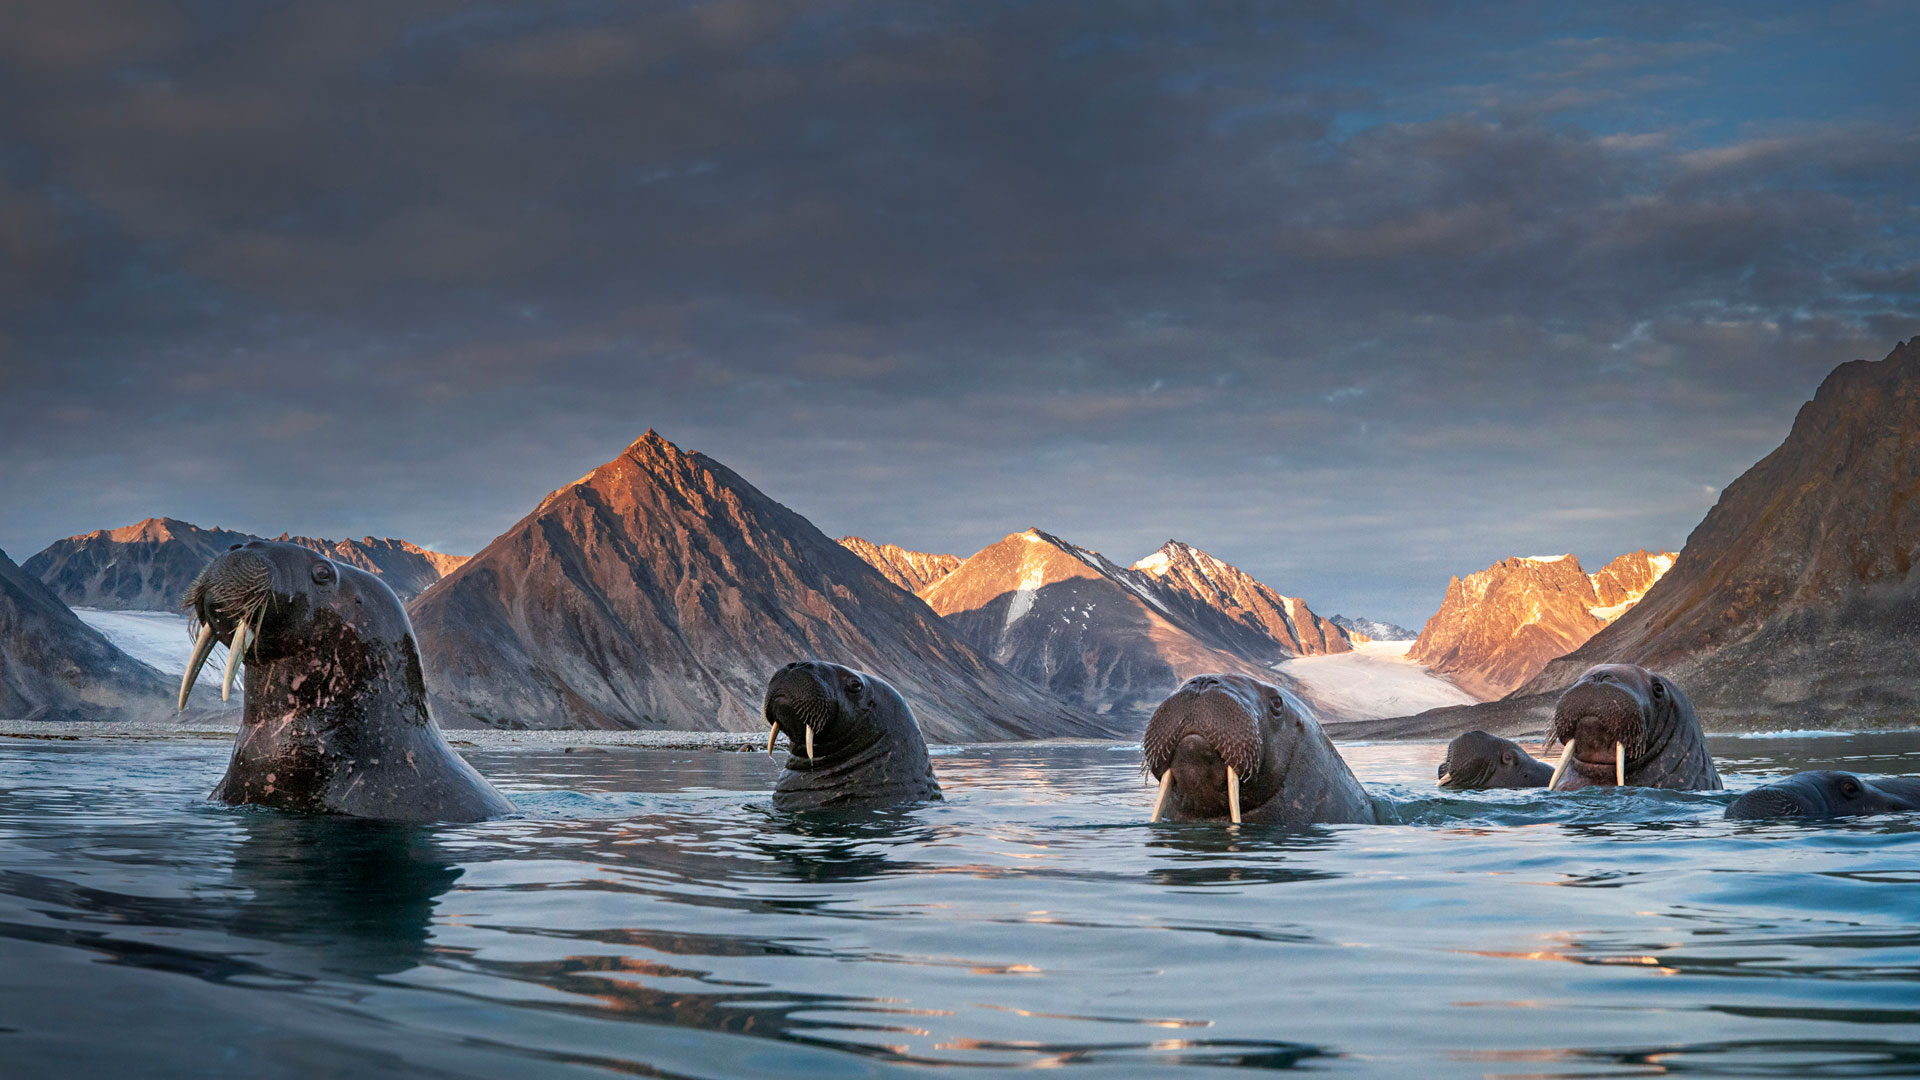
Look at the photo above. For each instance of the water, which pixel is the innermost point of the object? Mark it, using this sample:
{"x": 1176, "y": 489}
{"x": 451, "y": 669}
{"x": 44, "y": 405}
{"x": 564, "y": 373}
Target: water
{"x": 652, "y": 916}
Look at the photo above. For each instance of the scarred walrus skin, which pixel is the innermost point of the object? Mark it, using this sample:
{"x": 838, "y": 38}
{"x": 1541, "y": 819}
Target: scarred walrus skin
{"x": 1232, "y": 748}
{"x": 1625, "y": 725}
{"x": 853, "y": 741}
{"x": 1478, "y": 760}
{"x": 336, "y": 712}
{"x": 1826, "y": 794}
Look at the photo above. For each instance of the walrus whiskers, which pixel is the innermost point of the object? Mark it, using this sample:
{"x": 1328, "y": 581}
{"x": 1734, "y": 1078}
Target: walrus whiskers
{"x": 1233, "y": 795}
{"x": 1166, "y": 788}
{"x": 202, "y": 645}
{"x": 1560, "y": 770}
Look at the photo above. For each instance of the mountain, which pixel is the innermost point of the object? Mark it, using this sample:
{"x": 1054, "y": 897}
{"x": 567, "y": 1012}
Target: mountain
{"x": 1109, "y": 638}
{"x": 1372, "y": 629}
{"x": 661, "y": 590}
{"x": 911, "y": 570}
{"x": 53, "y": 665}
{"x": 1498, "y": 628}
{"x": 1796, "y": 600}
{"x": 1284, "y": 620}
{"x": 146, "y": 567}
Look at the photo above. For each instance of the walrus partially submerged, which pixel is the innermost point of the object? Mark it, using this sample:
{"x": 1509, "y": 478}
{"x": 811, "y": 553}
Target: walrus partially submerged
{"x": 1624, "y": 725}
{"x": 336, "y": 714}
{"x": 1232, "y": 748}
{"x": 1477, "y": 760}
{"x": 1822, "y": 794}
{"x": 854, "y": 742}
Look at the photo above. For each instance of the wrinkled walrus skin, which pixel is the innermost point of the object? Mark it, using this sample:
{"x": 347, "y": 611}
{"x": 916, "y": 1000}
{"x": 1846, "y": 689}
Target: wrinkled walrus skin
{"x": 336, "y": 716}
{"x": 1825, "y": 794}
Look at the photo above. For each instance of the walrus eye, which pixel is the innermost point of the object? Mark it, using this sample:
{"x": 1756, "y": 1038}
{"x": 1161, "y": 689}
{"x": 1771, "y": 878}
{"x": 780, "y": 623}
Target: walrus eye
{"x": 323, "y": 573}
{"x": 1506, "y": 757}
{"x": 853, "y": 684}
{"x": 1658, "y": 690}
{"x": 1850, "y": 788}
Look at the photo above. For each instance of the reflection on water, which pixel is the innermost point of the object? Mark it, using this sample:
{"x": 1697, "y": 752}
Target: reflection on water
{"x": 651, "y": 914}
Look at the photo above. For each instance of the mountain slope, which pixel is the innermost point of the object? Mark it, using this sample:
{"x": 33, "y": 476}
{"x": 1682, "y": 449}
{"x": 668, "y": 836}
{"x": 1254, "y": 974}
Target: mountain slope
{"x": 911, "y": 570}
{"x": 146, "y": 567}
{"x": 1108, "y": 638}
{"x": 1372, "y": 629}
{"x": 1498, "y": 628}
{"x": 52, "y": 665}
{"x": 1286, "y": 621}
{"x": 661, "y": 590}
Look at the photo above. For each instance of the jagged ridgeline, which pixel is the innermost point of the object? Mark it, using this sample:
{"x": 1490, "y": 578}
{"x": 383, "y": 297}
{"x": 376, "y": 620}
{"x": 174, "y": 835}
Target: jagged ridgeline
{"x": 661, "y": 590}
{"x": 148, "y": 566}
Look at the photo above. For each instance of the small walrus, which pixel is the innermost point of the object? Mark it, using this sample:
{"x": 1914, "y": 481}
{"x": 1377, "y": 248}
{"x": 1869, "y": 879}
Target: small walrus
{"x": 862, "y": 747}
{"x": 1477, "y": 760}
{"x": 1232, "y": 748}
{"x": 1821, "y": 794}
{"x": 1624, "y": 725}
{"x": 336, "y": 712}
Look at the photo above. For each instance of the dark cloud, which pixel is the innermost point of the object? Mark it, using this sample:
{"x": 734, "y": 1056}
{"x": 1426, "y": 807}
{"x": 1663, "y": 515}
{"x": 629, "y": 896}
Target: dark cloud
{"x": 1358, "y": 296}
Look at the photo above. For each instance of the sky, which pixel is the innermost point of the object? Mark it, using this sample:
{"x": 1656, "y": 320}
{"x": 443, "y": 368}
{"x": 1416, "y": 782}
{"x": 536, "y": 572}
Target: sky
{"x": 1355, "y": 296}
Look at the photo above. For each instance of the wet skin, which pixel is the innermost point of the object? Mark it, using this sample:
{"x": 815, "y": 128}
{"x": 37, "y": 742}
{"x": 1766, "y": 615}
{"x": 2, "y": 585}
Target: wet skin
{"x": 1477, "y": 760}
{"x": 1622, "y": 719}
{"x": 336, "y": 716}
{"x": 1219, "y": 736}
{"x": 853, "y": 741}
{"x": 1823, "y": 794}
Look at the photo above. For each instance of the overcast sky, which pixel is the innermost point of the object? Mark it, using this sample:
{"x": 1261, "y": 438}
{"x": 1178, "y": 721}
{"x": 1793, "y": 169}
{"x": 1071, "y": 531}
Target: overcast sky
{"x": 1355, "y": 296}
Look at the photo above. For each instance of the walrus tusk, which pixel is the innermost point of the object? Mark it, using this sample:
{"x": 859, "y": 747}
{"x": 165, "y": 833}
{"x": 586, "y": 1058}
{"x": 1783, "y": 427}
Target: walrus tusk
{"x": 1233, "y": 795}
{"x": 809, "y": 742}
{"x": 1160, "y": 803}
{"x": 772, "y": 734}
{"x": 202, "y": 645}
{"x": 234, "y": 648}
{"x": 1444, "y": 777}
{"x": 1620, "y": 764}
{"x": 1560, "y": 770}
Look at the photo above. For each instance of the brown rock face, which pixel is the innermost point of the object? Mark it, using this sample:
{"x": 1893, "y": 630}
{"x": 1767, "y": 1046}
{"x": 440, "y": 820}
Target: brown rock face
{"x": 1108, "y": 638}
{"x": 1795, "y": 601}
{"x": 1498, "y": 628}
{"x": 661, "y": 590}
{"x": 1286, "y": 621}
{"x": 911, "y": 570}
{"x": 54, "y": 666}
{"x": 146, "y": 567}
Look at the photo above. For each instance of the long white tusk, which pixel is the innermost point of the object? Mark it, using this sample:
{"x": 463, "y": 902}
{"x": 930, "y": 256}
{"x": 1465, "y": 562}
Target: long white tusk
{"x": 202, "y": 645}
{"x": 809, "y": 742}
{"x": 1233, "y": 795}
{"x": 1160, "y": 803}
{"x": 234, "y": 648}
{"x": 1444, "y": 777}
{"x": 772, "y": 734}
{"x": 1560, "y": 770}
{"x": 1620, "y": 764}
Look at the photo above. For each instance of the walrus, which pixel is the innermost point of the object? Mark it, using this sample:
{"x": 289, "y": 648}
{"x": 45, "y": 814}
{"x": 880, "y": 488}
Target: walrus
{"x": 1232, "y": 748}
{"x": 1478, "y": 760}
{"x": 853, "y": 741}
{"x": 336, "y": 714}
{"x": 1827, "y": 794}
{"x": 1626, "y": 726}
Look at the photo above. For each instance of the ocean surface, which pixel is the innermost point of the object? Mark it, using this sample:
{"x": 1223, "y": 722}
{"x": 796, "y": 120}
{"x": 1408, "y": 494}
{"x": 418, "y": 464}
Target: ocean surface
{"x": 651, "y": 915}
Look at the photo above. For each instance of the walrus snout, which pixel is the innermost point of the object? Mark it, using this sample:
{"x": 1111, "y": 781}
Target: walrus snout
{"x": 1773, "y": 801}
{"x": 227, "y": 602}
{"x": 1602, "y": 721}
{"x": 1205, "y": 739}
{"x": 803, "y": 698}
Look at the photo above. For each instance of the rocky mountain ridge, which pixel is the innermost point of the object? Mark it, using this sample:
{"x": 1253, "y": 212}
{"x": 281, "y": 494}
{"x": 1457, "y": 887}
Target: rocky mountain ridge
{"x": 911, "y": 570}
{"x": 1372, "y": 629}
{"x": 54, "y": 665}
{"x": 661, "y": 590}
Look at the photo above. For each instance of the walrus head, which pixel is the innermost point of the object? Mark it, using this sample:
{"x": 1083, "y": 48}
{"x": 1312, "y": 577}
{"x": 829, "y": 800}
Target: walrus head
{"x": 1823, "y": 794}
{"x": 1229, "y": 747}
{"x": 1479, "y": 760}
{"x": 1614, "y": 718}
{"x": 268, "y": 600}
{"x": 820, "y": 706}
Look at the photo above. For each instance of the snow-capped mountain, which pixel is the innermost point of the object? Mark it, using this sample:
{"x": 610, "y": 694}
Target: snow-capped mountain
{"x": 1498, "y": 628}
{"x": 911, "y": 570}
{"x": 1373, "y": 629}
{"x": 1231, "y": 591}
